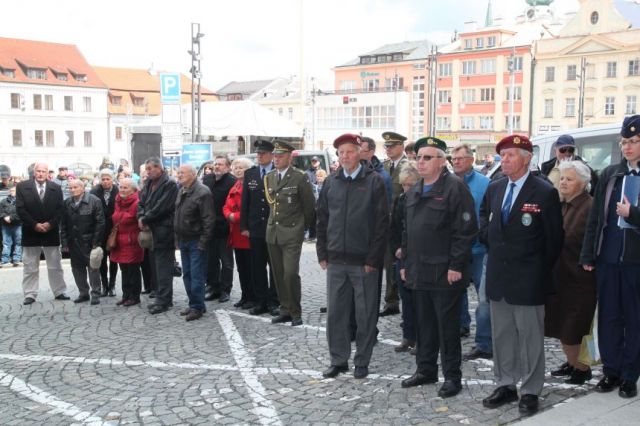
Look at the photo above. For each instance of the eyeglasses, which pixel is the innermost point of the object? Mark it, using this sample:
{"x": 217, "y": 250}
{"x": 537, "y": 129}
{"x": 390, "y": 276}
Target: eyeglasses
{"x": 454, "y": 159}
{"x": 629, "y": 142}
{"x": 566, "y": 149}
{"x": 426, "y": 157}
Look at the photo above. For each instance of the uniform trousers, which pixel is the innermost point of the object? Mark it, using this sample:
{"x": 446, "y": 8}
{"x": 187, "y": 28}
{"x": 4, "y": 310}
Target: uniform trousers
{"x": 263, "y": 284}
{"x": 31, "y": 273}
{"x": 80, "y": 276}
{"x": 437, "y": 322}
{"x": 349, "y": 285}
{"x": 285, "y": 261}
{"x": 518, "y": 345}
{"x": 162, "y": 261}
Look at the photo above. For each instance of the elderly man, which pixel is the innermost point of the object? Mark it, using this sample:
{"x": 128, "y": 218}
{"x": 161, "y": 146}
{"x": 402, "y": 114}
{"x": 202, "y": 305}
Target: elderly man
{"x": 82, "y": 230}
{"x": 193, "y": 224}
{"x": 292, "y": 208}
{"x": 565, "y": 150}
{"x": 521, "y": 224}
{"x": 62, "y": 179}
{"x": 106, "y": 192}
{"x": 155, "y": 212}
{"x": 39, "y": 204}
{"x": 439, "y": 231}
{"x": 353, "y": 218}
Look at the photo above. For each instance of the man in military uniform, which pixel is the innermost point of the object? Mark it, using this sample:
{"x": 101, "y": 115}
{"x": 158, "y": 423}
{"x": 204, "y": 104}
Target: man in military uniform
{"x": 290, "y": 197}
{"x": 254, "y": 212}
{"x": 396, "y": 158}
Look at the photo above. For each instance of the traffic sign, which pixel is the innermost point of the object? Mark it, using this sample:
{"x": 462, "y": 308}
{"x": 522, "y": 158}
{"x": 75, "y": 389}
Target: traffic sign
{"x": 170, "y": 88}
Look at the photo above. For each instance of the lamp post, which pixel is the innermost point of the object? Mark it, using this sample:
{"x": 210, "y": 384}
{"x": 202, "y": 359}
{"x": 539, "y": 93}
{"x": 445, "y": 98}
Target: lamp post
{"x": 583, "y": 71}
{"x": 196, "y": 75}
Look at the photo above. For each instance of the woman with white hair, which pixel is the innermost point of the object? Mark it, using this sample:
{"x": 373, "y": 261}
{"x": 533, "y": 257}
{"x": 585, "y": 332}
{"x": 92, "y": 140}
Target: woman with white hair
{"x": 569, "y": 310}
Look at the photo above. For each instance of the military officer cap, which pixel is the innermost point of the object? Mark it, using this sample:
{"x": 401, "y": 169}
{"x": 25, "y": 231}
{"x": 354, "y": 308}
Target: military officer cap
{"x": 430, "y": 141}
{"x": 630, "y": 126}
{"x": 263, "y": 145}
{"x": 393, "y": 138}
{"x": 514, "y": 141}
{"x": 347, "y": 138}
{"x": 282, "y": 147}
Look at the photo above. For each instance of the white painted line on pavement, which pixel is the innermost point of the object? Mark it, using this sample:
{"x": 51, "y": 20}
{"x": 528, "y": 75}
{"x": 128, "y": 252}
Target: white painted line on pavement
{"x": 263, "y": 408}
{"x": 58, "y": 406}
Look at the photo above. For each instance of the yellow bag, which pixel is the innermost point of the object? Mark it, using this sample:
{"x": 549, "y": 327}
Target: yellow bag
{"x": 589, "y": 352}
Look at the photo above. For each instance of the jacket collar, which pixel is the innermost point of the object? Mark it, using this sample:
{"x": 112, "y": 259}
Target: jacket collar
{"x": 437, "y": 187}
{"x": 366, "y": 168}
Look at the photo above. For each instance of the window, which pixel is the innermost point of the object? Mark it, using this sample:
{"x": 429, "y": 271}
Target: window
{"x": 17, "y": 137}
{"x": 118, "y": 133}
{"x": 15, "y": 100}
{"x": 488, "y": 66}
{"x": 594, "y": 17}
{"x": 280, "y": 112}
{"x": 48, "y": 102}
{"x": 631, "y": 105}
{"x": 37, "y": 137}
{"x": 517, "y": 93}
{"x": 397, "y": 56}
{"x": 548, "y": 108}
{"x": 443, "y": 123}
{"x": 570, "y": 107}
{"x": 468, "y": 95}
{"x": 468, "y": 67}
{"x": 37, "y": 101}
{"x": 68, "y": 103}
{"x": 290, "y": 112}
{"x": 365, "y": 59}
{"x": 138, "y": 100}
{"x": 348, "y": 86}
{"x": 516, "y": 122}
{"x": 396, "y": 83}
{"x": 88, "y": 140}
{"x": 466, "y": 123}
{"x": 370, "y": 85}
{"x": 486, "y": 122}
{"x": 116, "y": 100}
{"x": 50, "y": 138}
{"x": 61, "y": 76}
{"x": 7, "y": 72}
{"x": 37, "y": 73}
{"x": 612, "y": 69}
{"x": 549, "y": 74}
{"x": 444, "y": 70}
{"x": 491, "y": 41}
{"x": 479, "y": 43}
{"x": 468, "y": 44}
{"x": 69, "y": 134}
{"x": 517, "y": 63}
{"x": 610, "y": 105}
{"x": 571, "y": 72}
{"x": 444, "y": 96}
{"x": 86, "y": 101}
{"x": 634, "y": 67}
{"x": 487, "y": 94}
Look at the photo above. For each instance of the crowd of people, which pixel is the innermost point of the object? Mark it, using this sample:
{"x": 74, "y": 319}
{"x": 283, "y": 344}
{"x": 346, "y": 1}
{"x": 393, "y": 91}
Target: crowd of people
{"x": 541, "y": 252}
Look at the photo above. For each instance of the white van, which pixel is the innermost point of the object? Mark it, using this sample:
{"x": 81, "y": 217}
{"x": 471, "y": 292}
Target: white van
{"x": 597, "y": 145}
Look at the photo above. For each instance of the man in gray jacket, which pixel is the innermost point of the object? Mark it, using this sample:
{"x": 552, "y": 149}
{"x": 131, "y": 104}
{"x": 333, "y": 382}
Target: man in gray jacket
{"x": 193, "y": 223}
{"x": 353, "y": 205}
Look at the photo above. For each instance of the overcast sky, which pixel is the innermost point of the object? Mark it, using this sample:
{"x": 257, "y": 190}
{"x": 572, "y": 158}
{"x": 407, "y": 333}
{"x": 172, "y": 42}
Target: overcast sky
{"x": 244, "y": 39}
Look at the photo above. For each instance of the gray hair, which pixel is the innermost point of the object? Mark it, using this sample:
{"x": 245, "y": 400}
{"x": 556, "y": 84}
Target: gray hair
{"x": 106, "y": 172}
{"x": 154, "y": 161}
{"x": 128, "y": 181}
{"x": 582, "y": 170}
{"x": 243, "y": 161}
{"x": 189, "y": 167}
{"x": 409, "y": 170}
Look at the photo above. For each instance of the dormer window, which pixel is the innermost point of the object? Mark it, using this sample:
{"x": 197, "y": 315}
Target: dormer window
{"x": 468, "y": 44}
{"x": 365, "y": 60}
{"x": 8, "y": 72}
{"x": 137, "y": 100}
{"x": 479, "y": 43}
{"x": 491, "y": 41}
{"x": 397, "y": 56}
{"x": 60, "y": 75}
{"x": 37, "y": 73}
{"x": 116, "y": 100}
{"x": 78, "y": 76}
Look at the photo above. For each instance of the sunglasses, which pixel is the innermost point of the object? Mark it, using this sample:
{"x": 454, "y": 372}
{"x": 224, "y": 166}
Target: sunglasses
{"x": 566, "y": 149}
{"x": 426, "y": 157}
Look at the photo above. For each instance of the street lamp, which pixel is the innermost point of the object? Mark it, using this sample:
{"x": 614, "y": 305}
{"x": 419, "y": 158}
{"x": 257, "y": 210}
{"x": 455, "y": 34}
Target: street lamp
{"x": 196, "y": 74}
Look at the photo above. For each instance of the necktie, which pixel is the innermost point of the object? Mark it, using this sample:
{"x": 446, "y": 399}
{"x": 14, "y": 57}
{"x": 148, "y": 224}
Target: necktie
{"x": 349, "y": 179}
{"x": 392, "y": 168}
{"x": 263, "y": 172}
{"x": 506, "y": 207}
{"x": 279, "y": 177}
{"x": 41, "y": 192}
{"x": 633, "y": 172}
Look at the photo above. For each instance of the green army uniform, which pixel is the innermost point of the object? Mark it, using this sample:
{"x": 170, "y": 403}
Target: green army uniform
{"x": 292, "y": 208}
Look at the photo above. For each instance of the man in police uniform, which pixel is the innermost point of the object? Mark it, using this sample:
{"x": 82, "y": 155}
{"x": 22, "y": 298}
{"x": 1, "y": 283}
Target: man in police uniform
{"x": 254, "y": 212}
{"x": 290, "y": 197}
{"x": 396, "y": 158}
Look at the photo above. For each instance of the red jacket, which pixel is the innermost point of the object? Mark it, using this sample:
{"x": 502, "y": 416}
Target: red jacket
{"x": 232, "y": 205}
{"x": 127, "y": 249}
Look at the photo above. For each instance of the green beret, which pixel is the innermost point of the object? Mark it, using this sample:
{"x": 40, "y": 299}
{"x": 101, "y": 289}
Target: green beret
{"x": 430, "y": 141}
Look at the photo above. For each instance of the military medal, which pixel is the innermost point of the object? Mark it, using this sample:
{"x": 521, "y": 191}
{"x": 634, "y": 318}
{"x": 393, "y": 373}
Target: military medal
{"x": 526, "y": 219}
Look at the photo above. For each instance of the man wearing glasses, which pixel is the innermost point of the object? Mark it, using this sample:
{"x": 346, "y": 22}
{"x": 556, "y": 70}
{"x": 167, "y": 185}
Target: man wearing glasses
{"x": 565, "y": 149}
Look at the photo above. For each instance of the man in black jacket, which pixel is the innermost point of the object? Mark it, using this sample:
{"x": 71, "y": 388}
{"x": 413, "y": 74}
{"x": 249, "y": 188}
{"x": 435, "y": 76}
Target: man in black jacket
{"x": 106, "y": 192}
{"x": 565, "y": 150}
{"x": 353, "y": 219}
{"x": 155, "y": 212}
{"x": 220, "y": 263}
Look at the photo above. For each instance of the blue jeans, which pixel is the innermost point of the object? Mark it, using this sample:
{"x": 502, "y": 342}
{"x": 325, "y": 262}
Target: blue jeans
{"x": 194, "y": 273}
{"x": 483, "y": 313}
{"x": 11, "y": 236}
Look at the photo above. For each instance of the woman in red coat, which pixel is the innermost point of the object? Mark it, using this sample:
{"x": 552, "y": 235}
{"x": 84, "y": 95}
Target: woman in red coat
{"x": 238, "y": 242}
{"x": 128, "y": 253}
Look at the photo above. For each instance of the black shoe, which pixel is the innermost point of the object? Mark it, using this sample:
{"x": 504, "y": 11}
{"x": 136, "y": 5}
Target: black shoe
{"x": 418, "y": 379}
{"x": 239, "y": 303}
{"x": 323, "y": 310}
{"x": 211, "y": 296}
{"x": 145, "y": 291}
{"x": 152, "y": 294}
{"x": 95, "y": 301}
{"x": 274, "y": 311}
{"x": 185, "y": 312}
{"x": 28, "y": 300}
{"x": 193, "y": 315}
{"x": 628, "y": 389}
{"x": 111, "y": 293}
{"x": 414, "y": 351}
{"x": 360, "y": 372}
{"x": 157, "y": 309}
{"x": 62, "y": 296}
{"x": 405, "y": 346}
{"x": 528, "y": 404}
{"x": 500, "y": 396}
{"x": 565, "y": 370}
{"x": 258, "y": 310}
{"x": 464, "y": 332}
{"x": 224, "y": 297}
{"x": 280, "y": 319}
{"x": 81, "y": 299}
{"x": 390, "y": 311}
{"x": 334, "y": 370}
{"x": 476, "y": 353}
{"x": 578, "y": 377}
{"x": 247, "y": 305}
{"x": 449, "y": 388}
{"x": 607, "y": 384}
{"x": 296, "y": 322}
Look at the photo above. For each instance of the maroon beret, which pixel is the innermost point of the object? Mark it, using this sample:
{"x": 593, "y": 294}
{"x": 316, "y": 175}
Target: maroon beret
{"x": 347, "y": 138}
{"x": 514, "y": 141}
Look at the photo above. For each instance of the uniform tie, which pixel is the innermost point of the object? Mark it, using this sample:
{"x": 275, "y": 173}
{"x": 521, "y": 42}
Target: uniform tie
{"x": 41, "y": 192}
{"x": 392, "y": 168}
{"x": 279, "y": 177}
{"x": 262, "y": 172}
{"x": 506, "y": 207}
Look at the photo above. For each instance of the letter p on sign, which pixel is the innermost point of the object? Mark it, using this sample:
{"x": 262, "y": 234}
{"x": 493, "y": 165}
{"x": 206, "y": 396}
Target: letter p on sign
{"x": 170, "y": 88}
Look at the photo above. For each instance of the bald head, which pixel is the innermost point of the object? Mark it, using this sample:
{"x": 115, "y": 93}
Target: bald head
{"x": 186, "y": 175}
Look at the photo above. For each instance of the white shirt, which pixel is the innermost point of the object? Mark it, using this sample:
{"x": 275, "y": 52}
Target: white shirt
{"x": 516, "y": 189}
{"x": 282, "y": 173}
{"x": 354, "y": 174}
{"x": 41, "y": 185}
{"x": 637, "y": 169}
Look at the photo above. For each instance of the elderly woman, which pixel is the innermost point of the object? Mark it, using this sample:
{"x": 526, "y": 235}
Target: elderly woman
{"x": 569, "y": 311}
{"x": 127, "y": 252}
{"x": 237, "y": 241}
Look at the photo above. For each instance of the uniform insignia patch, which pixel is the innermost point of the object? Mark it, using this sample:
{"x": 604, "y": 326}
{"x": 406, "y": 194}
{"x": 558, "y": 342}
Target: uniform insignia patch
{"x": 466, "y": 216}
{"x": 527, "y": 219}
{"x": 516, "y": 140}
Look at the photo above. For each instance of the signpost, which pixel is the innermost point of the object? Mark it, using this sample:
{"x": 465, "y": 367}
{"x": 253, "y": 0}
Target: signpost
{"x": 171, "y": 111}
{"x": 196, "y": 154}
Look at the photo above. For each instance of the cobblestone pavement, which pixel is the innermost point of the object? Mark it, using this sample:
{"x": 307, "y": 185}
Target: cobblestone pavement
{"x": 61, "y": 363}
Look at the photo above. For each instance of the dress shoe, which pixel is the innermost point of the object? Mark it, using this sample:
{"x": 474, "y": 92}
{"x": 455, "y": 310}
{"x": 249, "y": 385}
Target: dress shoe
{"x": 274, "y": 311}
{"x": 185, "y": 312}
{"x": 360, "y": 372}
{"x": 280, "y": 319}
{"x": 258, "y": 310}
{"x": 211, "y": 296}
{"x": 476, "y": 353}
{"x": 193, "y": 315}
{"x": 414, "y": 351}
{"x": 607, "y": 384}
{"x": 131, "y": 302}
{"x": 449, "y": 388}
{"x": 564, "y": 370}
{"x": 334, "y": 370}
{"x": 390, "y": 310}
{"x": 500, "y": 396}
{"x": 418, "y": 379}
{"x": 528, "y": 404}
{"x": 323, "y": 310}
{"x": 104, "y": 292}
{"x": 28, "y": 300}
{"x": 296, "y": 322}
{"x": 111, "y": 293}
{"x": 157, "y": 309}
{"x": 578, "y": 377}
{"x": 62, "y": 296}
{"x": 81, "y": 299}
{"x": 404, "y": 346}
{"x": 464, "y": 332}
{"x": 95, "y": 300}
{"x": 145, "y": 291}
{"x": 247, "y": 305}
{"x": 120, "y": 302}
{"x": 152, "y": 294}
{"x": 239, "y": 303}
{"x": 224, "y": 297}
{"x": 628, "y": 389}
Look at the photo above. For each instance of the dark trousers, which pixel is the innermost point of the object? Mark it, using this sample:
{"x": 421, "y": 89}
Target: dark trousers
{"x": 243, "y": 265}
{"x": 406, "y": 298}
{"x": 148, "y": 275}
{"x": 108, "y": 282}
{"x": 264, "y": 288}
{"x": 437, "y": 315}
{"x": 131, "y": 281}
{"x": 220, "y": 266}
{"x": 162, "y": 261}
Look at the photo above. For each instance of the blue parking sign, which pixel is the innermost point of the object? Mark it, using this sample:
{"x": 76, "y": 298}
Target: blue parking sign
{"x": 170, "y": 88}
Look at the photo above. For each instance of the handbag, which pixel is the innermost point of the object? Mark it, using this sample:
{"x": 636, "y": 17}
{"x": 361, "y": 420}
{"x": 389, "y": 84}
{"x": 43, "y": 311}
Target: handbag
{"x": 589, "y": 352}
{"x": 112, "y": 239}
